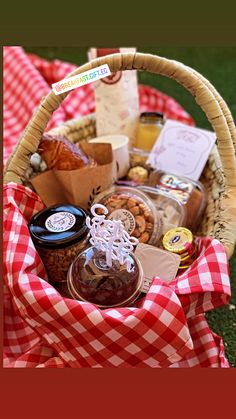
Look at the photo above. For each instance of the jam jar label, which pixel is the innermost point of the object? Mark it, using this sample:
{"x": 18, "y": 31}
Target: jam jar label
{"x": 126, "y": 217}
{"x": 60, "y": 221}
{"x": 175, "y": 239}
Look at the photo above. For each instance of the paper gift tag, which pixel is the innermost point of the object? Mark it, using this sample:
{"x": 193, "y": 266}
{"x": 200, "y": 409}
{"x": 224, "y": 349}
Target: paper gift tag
{"x": 156, "y": 262}
{"x": 182, "y": 150}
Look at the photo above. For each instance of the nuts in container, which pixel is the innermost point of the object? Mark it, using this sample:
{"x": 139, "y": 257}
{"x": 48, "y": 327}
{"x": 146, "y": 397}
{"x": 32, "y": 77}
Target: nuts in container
{"x": 136, "y": 211}
{"x": 59, "y": 234}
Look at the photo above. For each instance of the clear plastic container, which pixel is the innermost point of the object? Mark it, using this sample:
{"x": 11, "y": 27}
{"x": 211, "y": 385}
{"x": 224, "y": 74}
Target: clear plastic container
{"x": 136, "y": 211}
{"x": 59, "y": 233}
{"x": 171, "y": 211}
{"x": 90, "y": 279}
{"x": 190, "y": 193}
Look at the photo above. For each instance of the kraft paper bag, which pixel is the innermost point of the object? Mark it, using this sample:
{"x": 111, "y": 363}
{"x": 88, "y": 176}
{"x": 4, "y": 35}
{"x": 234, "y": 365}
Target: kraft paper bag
{"x": 117, "y": 102}
{"x": 78, "y": 187}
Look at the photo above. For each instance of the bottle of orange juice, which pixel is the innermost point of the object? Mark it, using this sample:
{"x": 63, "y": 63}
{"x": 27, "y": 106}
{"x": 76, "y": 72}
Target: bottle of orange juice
{"x": 149, "y": 128}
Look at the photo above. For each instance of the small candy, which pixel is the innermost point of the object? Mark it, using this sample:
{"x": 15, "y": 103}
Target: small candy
{"x": 138, "y": 174}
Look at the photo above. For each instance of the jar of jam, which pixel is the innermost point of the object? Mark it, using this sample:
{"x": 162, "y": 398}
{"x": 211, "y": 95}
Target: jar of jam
{"x": 91, "y": 279}
{"x": 149, "y": 128}
{"x": 59, "y": 233}
{"x": 180, "y": 241}
{"x": 136, "y": 211}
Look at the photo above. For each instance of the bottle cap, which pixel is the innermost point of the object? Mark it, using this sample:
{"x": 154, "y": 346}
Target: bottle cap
{"x": 152, "y": 115}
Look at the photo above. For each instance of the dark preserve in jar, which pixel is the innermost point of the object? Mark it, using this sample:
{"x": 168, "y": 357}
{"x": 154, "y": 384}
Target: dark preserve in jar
{"x": 59, "y": 233}
{"x": 91, "y": 280}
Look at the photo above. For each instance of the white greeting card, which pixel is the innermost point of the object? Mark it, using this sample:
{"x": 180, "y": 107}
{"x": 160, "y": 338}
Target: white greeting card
{"x": 182, "y": 150}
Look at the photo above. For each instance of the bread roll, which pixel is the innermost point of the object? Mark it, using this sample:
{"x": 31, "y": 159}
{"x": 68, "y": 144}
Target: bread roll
{"x": 61, "y": 154}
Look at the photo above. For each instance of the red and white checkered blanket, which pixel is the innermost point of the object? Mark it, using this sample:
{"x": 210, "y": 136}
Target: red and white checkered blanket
{"x": 166, "y": 329}
{"x": 43, "y": 329}
{"x": 27, "y": 78}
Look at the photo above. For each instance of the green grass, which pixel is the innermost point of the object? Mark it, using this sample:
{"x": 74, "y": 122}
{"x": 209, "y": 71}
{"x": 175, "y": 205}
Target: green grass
{"x": 218, "y": 65}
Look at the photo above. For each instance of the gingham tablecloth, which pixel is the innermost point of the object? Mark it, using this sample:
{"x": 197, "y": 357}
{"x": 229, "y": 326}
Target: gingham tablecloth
{"x": 27, "y": 78}
{"x": 166, "y": 329}
{"x": 41, "y": 328}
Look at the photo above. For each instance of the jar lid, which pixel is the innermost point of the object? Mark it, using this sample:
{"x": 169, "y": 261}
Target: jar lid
{"x": 152, "y": 116}
{"x": 136, "y": 211}
{"x": 58, "y": 226}
{"x": 178, "y": 240}
{"x": 90, "y": 279}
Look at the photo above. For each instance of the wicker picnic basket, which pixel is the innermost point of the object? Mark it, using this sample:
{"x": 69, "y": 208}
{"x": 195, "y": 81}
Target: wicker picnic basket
{"x": 219, "y": 176}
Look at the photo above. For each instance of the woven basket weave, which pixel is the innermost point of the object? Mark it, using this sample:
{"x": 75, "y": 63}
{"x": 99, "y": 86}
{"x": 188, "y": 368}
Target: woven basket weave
{"x": 219, "y": 176}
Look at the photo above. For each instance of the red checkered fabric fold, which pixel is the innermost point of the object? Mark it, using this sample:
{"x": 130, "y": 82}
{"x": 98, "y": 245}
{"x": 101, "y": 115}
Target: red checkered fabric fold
{"x": 43, "y": 329}
{"x": 205, "y": 285}
{"x": 27, "y": 78}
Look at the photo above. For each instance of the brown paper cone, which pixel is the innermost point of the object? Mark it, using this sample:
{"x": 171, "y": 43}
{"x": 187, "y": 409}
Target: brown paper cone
{"x": 100, "y": 152}
{"x": 81, "y": 186}
{"x": 48, "y": 188}
{"x": 78, "y": 187}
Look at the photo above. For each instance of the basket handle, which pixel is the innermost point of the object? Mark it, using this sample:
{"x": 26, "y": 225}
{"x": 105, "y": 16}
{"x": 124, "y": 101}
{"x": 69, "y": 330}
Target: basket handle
{"x": 204, "y": 93}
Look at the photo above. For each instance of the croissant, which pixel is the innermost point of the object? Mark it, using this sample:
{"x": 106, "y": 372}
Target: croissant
{"x": 60, "y": 154}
